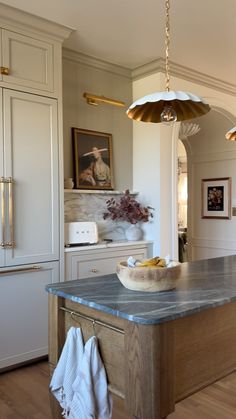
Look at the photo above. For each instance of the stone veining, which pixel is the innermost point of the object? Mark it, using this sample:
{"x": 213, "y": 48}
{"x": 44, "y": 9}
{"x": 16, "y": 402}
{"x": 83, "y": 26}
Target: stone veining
{"x": 202, "y": 284}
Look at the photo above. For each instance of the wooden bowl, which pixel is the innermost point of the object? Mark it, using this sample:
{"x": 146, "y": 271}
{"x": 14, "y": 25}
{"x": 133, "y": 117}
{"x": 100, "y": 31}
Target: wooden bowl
{"x": 148, "y": 278}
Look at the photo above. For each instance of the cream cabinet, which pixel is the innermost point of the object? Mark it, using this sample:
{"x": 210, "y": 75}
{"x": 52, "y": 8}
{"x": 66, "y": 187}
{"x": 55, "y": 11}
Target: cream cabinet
{"x": 31, "y": 167}
{"x": 29, "y": 227}
{"x": 26, "y": 62}
{"x": 24, "y": 312}
{"x": 102, "y": 259}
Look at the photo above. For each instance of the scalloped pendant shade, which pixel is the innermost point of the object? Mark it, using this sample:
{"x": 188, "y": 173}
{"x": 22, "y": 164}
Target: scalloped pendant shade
{"x": 168, "y": 106}
{"x": 150, "y": 107}
{"x": 231, "y": 135}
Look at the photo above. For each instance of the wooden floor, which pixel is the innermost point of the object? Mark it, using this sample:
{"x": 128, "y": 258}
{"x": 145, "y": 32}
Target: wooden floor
{"x": 24, "y": 395}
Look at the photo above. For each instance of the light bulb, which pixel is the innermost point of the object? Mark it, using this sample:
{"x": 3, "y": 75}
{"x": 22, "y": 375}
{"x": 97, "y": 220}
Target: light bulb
{"x": 168, "y": 114}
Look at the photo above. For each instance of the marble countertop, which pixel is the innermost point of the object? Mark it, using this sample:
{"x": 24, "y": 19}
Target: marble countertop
{"x": 203, "y": 284}
{"x": 104, "y": 245}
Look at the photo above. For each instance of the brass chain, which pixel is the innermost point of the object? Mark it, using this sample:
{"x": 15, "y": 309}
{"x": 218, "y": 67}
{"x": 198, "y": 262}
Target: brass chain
{"x": 167, "y": 43}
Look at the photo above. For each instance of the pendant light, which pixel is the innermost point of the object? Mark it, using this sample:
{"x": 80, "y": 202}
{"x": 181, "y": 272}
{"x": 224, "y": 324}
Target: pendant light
{"x": 167, "y": 106}
{"x": 231, "y": 135}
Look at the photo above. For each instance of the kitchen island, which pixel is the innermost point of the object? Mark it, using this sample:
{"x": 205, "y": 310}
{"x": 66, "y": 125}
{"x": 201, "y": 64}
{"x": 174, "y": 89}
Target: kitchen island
{"x": 157, "y": 348}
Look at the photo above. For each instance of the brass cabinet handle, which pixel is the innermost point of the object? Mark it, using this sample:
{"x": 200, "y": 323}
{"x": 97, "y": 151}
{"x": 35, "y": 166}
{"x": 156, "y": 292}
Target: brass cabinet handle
{"x": 94, "y": 270}
{"x": 5, "y": 71}
{"x": 9, "y": 180}
{"x": 20, "y": 270}
{"x": 2, "y": 184}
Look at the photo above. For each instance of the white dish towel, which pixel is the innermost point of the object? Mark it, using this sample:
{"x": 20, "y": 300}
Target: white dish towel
{"x": 91, "y": 399}
{"x": 67, "y": 369}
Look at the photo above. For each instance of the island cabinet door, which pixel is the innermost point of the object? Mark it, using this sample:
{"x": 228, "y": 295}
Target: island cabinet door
{"x": 24, "y": 312}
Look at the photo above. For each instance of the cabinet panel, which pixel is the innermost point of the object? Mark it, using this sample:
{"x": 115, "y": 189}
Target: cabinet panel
{"x": 1, "y": 53}
{"x": 100, "y": 263}
{"x": 30, "y": 61}
{"x": 31, "y": 159}
{"x": 24, "y": 312}
{"x": 2, "y": 254}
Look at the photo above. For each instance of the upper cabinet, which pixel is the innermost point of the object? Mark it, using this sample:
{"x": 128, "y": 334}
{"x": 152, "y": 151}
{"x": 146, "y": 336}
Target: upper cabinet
{"x": 30, "y": 52}
{"x": 26, "y": 62}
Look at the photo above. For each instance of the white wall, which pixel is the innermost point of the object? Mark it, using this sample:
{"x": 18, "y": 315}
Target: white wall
{"x": 94, "y": 76}
{"x": 211, "y": 156}
{"x": 155, "y": 154}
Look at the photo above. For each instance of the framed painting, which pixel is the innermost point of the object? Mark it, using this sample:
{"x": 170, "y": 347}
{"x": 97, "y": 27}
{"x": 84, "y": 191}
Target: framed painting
{"x": 216, "y": 198}
{"x": 92, "y": 155}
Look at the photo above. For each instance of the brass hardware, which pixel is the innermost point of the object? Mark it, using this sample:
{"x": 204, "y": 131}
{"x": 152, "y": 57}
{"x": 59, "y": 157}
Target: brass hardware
{"x": 118, "y": 393}
{"x": 76, "y": 313}
{"x": 234, "y": 211}
{"x": 94, "y": 329}
{"x": 231, "y": 135}
{"x": 5, "y": 71}
{"x": 94, "y": 270}
{"x": 94, "y": 100}
{"x": 20, "y": 270}
{"x": 2, "y": 183}
{"x": 10, "y": 212}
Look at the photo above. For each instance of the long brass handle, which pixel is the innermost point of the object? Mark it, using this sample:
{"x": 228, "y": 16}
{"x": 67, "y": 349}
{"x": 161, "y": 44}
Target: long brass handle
{"x": 5, "y": 71}
{"x": 2, "y": 184}
{"x": 20, "y": 270}
{"x": 10, "y": 244}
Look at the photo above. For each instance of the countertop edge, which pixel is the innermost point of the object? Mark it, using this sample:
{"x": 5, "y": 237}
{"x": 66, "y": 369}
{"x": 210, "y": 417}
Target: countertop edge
{"x": 137, "y": 319}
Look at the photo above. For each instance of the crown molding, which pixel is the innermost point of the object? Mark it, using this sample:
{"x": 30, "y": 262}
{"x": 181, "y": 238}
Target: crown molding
{"x": 80, "y": 58}
{"x": 15, "y": 19}
{"x": 183, "y": 72}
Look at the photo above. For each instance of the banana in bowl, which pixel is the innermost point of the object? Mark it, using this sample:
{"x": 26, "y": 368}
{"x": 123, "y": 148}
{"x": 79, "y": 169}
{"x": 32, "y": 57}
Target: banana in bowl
{"x": 148, "y": 277}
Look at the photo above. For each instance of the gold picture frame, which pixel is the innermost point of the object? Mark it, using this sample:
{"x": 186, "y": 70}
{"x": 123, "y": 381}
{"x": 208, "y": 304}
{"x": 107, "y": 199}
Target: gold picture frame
{"x": 92, "y": 156}
{"x": 216, "y": 198}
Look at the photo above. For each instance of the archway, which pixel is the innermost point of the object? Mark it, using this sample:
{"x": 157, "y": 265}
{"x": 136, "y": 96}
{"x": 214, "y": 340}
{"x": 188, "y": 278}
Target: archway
{"x": 209, "y": 155}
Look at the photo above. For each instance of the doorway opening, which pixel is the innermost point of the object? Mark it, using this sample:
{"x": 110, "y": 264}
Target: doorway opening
{"x": 182, "y": 202}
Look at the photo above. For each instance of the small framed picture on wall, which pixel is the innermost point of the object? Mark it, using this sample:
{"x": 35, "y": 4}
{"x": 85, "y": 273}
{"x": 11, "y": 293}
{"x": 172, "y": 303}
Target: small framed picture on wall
{"x": 92, "y": 155}
{"x": 216, "y": 198}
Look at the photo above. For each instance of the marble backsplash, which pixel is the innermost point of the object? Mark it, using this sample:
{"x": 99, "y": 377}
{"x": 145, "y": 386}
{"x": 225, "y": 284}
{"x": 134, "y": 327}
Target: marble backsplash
{"x": 91, "y": 207}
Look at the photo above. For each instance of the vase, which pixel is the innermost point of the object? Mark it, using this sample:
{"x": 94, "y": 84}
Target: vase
{"x": 68, "y": 183}
{"x": 133, "y": 232}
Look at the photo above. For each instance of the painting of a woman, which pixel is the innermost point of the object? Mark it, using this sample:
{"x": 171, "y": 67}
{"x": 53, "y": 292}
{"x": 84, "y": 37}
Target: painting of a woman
{"x": 93, "y": 159}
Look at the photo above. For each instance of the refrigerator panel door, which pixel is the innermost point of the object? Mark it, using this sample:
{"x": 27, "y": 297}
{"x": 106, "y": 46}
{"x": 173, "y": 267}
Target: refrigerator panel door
{"x": 31, "y": 144}
{"x": 24, "y": 312}
{"x": 2, "y": 190}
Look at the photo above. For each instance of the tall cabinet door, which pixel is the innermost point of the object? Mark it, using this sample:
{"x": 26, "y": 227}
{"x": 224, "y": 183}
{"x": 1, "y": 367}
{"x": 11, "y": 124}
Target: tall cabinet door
{"x": 31, "y": 160}
{"x": 2, "y": 253}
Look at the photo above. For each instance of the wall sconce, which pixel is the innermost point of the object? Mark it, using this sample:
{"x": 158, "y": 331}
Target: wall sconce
{"x": 94, "y": 100}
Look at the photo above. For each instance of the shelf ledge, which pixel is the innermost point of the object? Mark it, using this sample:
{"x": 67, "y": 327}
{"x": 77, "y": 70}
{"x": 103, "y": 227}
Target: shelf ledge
{"x": 103, "y": 192}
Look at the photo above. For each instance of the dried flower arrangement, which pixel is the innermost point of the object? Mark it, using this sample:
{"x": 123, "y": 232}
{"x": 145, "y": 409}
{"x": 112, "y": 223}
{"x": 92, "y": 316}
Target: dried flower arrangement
{"x": 127, "y": 209}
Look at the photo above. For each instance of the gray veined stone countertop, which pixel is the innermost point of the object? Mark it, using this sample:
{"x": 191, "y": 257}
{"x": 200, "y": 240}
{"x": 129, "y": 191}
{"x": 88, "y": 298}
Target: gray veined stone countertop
{"x": 203, "y": 284}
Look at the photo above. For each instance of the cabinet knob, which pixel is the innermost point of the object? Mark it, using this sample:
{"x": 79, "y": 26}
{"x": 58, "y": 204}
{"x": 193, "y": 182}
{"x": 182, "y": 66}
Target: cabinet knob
{"x": 5, "y": 71}
{"x": 94, "y": 270}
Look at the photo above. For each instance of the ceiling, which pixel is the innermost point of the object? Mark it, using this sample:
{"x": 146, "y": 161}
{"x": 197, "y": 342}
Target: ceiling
{"x": 131, "y": 33}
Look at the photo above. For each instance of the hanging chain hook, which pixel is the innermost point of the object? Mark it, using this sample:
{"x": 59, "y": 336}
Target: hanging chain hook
{"x": 167, "y": 43}
{"x": 94, "y": 330}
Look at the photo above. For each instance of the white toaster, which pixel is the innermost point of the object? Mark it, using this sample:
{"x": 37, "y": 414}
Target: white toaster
{"x": 81, "y": 232}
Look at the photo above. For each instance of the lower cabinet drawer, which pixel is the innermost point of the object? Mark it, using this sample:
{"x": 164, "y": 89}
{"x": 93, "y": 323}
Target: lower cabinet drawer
{"x": 97, "y": 267}
{"x": 80, "y": 265}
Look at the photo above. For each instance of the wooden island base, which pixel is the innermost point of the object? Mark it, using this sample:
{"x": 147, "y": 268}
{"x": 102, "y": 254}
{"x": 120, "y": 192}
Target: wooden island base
{"x": 150, "y": 367}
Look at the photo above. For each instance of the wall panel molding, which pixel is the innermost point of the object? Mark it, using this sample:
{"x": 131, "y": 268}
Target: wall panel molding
{"x": 213, "y": 244}
{"x": 213, "y": 157}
